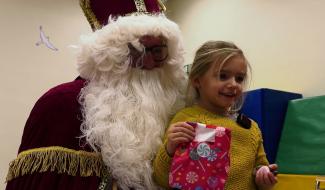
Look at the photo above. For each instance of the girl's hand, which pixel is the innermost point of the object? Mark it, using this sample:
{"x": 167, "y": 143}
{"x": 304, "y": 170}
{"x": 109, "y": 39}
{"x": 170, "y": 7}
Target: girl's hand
{"x": 264, "y": 178}
{"x": 177, "y": 133}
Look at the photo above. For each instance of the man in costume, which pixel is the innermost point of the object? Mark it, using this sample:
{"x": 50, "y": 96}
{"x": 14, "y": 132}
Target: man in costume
{"x": 103, "y": 129}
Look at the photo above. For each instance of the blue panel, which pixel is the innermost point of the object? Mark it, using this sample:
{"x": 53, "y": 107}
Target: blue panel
{"x": 268, "y": 108}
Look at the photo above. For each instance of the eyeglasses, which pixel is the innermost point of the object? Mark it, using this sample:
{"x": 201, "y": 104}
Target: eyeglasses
{"x": 159, "y": 53}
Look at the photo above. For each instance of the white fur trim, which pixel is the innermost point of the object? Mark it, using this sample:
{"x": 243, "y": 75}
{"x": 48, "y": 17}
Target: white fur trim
{"x": 106, "y": 49}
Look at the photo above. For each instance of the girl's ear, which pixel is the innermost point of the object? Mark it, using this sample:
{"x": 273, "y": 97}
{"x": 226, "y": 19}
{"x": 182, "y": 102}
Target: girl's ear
{"x": 196, "y": 83}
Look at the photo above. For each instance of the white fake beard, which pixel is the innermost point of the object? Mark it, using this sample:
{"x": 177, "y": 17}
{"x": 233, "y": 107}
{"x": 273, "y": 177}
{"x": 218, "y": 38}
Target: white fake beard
{"x": 125, "y": 119}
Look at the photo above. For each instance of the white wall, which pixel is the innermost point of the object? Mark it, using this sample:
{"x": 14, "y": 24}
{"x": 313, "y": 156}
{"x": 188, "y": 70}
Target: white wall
{"x": 283, "y": 40}
{"x": 27, "y": 71}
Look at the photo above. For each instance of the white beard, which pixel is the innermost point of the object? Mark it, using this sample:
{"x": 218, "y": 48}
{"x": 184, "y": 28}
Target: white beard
{"x": 125, "y": 118}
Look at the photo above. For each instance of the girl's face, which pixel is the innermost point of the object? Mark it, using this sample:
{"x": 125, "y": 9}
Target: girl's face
{"x": 219, "y": 90}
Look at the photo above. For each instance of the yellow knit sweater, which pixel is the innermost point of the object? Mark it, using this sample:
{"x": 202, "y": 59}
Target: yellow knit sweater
{"x": 246, "y": 151}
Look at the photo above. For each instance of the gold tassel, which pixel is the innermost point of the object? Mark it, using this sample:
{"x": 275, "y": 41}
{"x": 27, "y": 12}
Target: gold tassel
{"x": 55, "y": 158}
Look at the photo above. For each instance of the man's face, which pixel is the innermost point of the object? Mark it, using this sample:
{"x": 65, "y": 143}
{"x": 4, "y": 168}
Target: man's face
{"x": 154, "y": 55}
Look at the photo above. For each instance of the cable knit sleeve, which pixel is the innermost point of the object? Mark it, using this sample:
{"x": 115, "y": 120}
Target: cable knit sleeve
{"x": 162, "y": 162}
{"x": 260, "y": 154}
{"x": 161, "y": 166}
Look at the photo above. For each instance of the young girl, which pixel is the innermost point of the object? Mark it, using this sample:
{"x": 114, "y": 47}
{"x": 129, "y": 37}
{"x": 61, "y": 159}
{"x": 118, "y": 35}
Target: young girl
{"x": 218, "y": 77}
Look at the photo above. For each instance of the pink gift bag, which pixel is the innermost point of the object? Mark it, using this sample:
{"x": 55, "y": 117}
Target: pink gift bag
{"x": 202, "y": 164}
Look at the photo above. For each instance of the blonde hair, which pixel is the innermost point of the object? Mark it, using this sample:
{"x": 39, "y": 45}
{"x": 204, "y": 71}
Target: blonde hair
{"x": 214, "y": 52}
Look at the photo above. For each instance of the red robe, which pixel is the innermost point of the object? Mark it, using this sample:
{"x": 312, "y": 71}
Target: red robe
{"x": 51, "y": 155}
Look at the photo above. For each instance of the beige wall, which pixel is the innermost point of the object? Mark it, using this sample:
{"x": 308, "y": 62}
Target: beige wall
{"x": 27, "y": 71}
{"x": 284, "y": 41}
